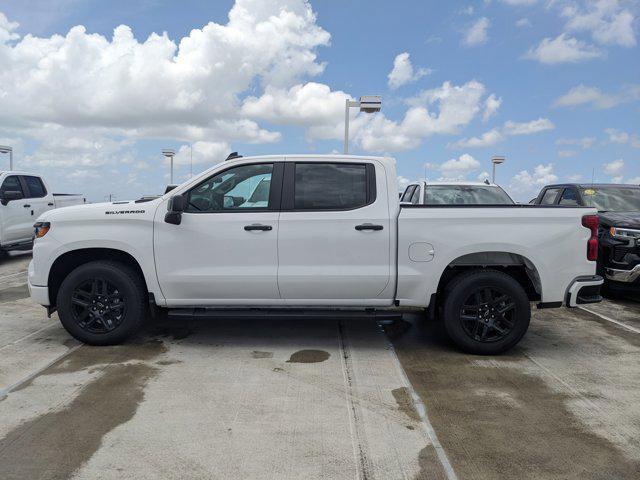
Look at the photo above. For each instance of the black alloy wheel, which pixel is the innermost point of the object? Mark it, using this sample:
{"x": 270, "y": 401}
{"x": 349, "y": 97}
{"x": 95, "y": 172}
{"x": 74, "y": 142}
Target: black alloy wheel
{"x": 488, "y": 315}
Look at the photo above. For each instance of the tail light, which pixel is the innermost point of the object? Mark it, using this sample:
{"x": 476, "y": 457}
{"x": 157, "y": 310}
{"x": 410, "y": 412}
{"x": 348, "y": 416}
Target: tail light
{"x": 591, "y": 222}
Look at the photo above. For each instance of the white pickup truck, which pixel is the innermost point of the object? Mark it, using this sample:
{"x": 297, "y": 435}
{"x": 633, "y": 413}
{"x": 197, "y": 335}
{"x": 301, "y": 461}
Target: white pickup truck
{"x": 23, "y": 198}
{"x": 329, "y": 234}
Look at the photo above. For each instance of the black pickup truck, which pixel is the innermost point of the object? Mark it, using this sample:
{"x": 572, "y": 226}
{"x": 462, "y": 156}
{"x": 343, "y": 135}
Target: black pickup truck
{"x": 619, "y": 231}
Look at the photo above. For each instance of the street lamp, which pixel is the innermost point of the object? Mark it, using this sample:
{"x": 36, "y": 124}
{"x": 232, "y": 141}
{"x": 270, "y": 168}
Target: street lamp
{"x": 169, "y": 153}
{"x": 9, "y": 150}
{"x": 496, "y": 160}
{"x": 367, "y": 104}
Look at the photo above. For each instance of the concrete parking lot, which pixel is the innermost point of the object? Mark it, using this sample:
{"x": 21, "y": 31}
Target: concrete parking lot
{"x": 300, "y": 398}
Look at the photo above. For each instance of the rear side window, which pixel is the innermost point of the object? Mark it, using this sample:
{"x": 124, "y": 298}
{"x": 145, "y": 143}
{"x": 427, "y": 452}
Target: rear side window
{"x": 415, "y": 198}
{"x": 406, "y": 196}
{"x": 11, "y": 184}
{"x": 550, "y": 196}
{"x": 569, "y": 197}
{"x": 35, "y": 186}
{"x": 330, "y": 186}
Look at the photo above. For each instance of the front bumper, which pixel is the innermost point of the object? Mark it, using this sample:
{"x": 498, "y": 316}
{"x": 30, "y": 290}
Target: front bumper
{"x": 38, "y": 294}
{"x": 625, "y": 276}
{"x": 584, "y": 290}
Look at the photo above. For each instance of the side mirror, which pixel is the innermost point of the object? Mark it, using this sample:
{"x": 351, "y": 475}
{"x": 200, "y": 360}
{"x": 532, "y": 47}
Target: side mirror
{"x": 176, "y": 206}
{"x": 10, "y": 195}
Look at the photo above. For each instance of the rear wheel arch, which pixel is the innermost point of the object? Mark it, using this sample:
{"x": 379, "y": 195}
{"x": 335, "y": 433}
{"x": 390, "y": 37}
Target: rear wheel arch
{"x": 69, "y": 261}
{"x": 515, "y": 265}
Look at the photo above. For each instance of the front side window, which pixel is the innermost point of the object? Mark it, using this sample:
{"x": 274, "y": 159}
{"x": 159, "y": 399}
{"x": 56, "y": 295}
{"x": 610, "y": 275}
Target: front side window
{"x": 11, "y": 184}
{"x": 35, "y": 186}
{"x": 330, "y": 186}
{"x": 550, "y": 196}
{"x": 237, "y": 189}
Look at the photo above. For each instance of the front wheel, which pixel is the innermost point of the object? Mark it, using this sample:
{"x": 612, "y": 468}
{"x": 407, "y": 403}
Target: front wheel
{"x": 486, "y": 312}
{"x": 102, "y": 303}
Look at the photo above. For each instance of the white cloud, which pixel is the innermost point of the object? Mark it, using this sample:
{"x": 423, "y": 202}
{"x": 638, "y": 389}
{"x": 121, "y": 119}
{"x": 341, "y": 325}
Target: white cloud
{"x": 188, "y": 89}
{"x": 617, "y": 136}
{"x": 614, "y": 168}
{"x": 584, "y": 142}
{"x": 575, "y": 178}
{"x": 523, "y": 22}
{"x": 403, "y": 71}
{"x": 491, "y": 106}
{"x": 607, "y": 20}
{"x": 566, "y": 153}
{"x": 519, "y": 2}
{"x": 497, "y": 135}
{"x": 484, "y": 176}
{"x": 526, "y": 183}
{"x": 634, "y": 180}
{"x": 456, "y": 169}
{"x": 203, "y": 152}
{"x": 528, "y": 128}
{"x": 303, "y": 104}
{"x": 562, "y": 49}
{"x": 476, "y": 33}
{"x": 487, "y": 139}
{"x": 584, "y": 95}
{"x": 402, "y": 183}
{"x": 441, "y": 110}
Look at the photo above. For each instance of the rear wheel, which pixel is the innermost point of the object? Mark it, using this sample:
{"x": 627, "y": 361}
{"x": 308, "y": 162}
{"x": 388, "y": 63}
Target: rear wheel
{"x": 486, "y": 311}
{"x": 102, "y": 303}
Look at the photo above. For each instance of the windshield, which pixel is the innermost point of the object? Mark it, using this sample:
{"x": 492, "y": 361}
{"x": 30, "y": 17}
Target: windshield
{"x": 466, "y": 195}
{"x": 612, "y": 199}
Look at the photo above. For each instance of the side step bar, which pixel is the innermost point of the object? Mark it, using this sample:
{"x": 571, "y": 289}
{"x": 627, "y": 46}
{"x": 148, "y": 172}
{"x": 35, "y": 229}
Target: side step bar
{"x": 281, "y": 313}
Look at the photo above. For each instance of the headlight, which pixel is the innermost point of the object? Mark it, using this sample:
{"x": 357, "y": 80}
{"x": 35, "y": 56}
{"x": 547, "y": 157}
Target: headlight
{"x": 628, "y": 234}
{"x": 41, "y": 229}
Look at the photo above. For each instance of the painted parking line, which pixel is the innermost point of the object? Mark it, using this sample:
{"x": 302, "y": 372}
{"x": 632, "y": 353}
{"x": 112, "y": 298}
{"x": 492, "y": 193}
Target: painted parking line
{"x": 609, "y": 319}
{"x": 31, "y": 376}
{"x": 424, "y": 419}
{"x": 12, "y": 275}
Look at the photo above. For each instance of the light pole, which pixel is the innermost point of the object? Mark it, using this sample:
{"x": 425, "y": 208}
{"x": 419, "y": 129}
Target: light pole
{"x": 9, "y": 150}
{"x": 367, "y": 104}
{"x": 496, "y": 160}
{"x": 169, "y": 153}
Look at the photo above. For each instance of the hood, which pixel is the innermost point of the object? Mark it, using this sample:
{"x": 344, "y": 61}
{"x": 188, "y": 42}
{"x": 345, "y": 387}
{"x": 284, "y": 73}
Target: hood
{"x": 102, "y": 211}
{"x": 620, "y": 219}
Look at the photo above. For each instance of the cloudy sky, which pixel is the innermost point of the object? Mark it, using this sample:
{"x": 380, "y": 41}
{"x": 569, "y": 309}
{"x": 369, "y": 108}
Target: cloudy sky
{"x": 91, "y": 91}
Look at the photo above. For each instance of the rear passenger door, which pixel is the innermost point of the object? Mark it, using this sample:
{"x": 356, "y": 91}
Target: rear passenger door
{"x": 334, "y": 237}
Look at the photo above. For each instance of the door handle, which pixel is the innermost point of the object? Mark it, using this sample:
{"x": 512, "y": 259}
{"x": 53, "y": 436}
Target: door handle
{"x": 26, "y": 205}
{"x": 368, "y": 226}
{"x": 255, "y": 226}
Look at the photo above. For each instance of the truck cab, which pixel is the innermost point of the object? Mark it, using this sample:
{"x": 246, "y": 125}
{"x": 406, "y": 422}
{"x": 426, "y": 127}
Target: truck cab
{"x": 23, "y": 198}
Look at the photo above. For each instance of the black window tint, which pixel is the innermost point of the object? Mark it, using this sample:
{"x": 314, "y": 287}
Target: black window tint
{"x": 550, "y": 196}
{"x": 415, "y": 198}
{"x": 569, "y": 197}
{"x": 326, "y": 186}
{"x": 11, "y": 184}
{"x": 35, "y": 186}
{"x": 406, "y": 196}
{"x": 237, "y": 189}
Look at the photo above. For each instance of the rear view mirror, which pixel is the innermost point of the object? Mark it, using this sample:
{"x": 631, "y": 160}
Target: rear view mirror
{"x": 175, "y": 207}
{"x": 10, "y": 195}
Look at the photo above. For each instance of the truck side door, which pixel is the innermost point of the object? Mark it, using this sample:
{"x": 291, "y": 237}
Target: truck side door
{"x": 224, "y": 252}
{"x": 17, "y": 222}
{"x": 334, "y": 240}
{"x": 39, "y": 199}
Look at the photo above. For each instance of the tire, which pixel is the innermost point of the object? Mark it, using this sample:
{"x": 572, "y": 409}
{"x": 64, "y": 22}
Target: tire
{"x": 500, "y": 319}
{"x": 97, "y": 318}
